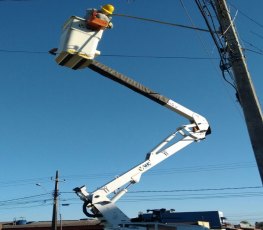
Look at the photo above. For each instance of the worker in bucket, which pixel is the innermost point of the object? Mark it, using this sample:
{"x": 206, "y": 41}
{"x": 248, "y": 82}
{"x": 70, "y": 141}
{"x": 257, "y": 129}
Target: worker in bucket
{"x": 100, "y": 19}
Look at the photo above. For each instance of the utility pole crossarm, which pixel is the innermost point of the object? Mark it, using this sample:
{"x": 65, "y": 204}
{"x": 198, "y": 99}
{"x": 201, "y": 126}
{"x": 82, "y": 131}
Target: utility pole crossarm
{"x": 246, "y": 91}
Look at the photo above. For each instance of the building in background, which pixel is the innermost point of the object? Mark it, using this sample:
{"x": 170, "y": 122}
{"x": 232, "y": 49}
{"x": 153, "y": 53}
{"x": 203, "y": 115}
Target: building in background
{"x": 214, "y": 218}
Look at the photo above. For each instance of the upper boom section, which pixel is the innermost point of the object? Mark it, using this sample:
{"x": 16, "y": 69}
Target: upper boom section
{"x": 202, "y": 126}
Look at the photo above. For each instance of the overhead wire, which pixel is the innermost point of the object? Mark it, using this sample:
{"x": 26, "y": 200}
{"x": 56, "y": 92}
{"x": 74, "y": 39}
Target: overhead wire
{"x": 23, "y": 198}
{"x": 23, "y": 182}
{"x": 162, "y": 22}
{"x": 206, "y": 168}
{"x": 193, "y": 24}
{"x": 197, "y": 190}
{"x": 152, "y": 195}
{"x": 114, "y": 55}
{"x": 150, "y": 199}
{"x": 128, "y": 56}
{"x": 248, "y": 17}
{"x": 206, "y": 50}
{"x": 120, "y": 55}
{"x": 258, "y": 35}
{"x": 224, "y": 64}
{"x": 221, "y": 45}
{"x": 189, "y": 197}
{"x": 188, "y": 169}
{"x": 253, "y": 51}
{"x": 134, "y": 56}
{"x": 183, "y": 194}
{"x": 108, "y": 55}
{"x": 259, "y": 51}
{"x": 200, "y": 8}
{"x": 26, "y": 202}
{"x": 190, "y": 190}
{"x": 158, "y": 57}
{"x": 252, "y": 45}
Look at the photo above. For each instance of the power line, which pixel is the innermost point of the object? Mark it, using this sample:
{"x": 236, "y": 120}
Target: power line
{"x": 161, "y": 22}
{"x": 147, "y": 191}
{"x": 23, "y": 182}
{"x": 204, "y": 168}
{"x": 253, "y": 51}
{"x": 23, "y": 198}
{"x": 252, "y": 45}
{"x": 197, "y": 190}
{"x": 204, "y": 45}
{"x": 189, "y": 169}
{"x": 158, "y": 57}
{"x": 131, "y": 198}
{"x": 258, "y": 35}
{"x": 248, "y": 17}
{"x": 27, "y": 202}
{"x": 114, "y": 55}
{"x": 193, "y": 190}
{"x": 193, "y": 197}
{"x": 225, "y": 65}
{"x": 161, "y": 195}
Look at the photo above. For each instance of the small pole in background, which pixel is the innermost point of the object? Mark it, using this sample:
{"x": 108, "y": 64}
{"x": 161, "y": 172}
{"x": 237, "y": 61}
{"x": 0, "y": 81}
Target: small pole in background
{"x": 55, "y": 204}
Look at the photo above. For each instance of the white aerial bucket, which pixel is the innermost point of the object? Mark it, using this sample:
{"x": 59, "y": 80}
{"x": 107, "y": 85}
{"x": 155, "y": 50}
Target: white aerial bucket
{"x": 78, "y": 44}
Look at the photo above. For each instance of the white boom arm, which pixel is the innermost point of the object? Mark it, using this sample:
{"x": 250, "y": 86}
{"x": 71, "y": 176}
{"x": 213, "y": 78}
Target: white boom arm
{"x": 101, "y": 202}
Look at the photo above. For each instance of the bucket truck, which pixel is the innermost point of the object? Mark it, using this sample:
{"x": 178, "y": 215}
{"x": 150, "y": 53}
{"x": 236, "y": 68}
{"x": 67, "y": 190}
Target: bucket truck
{"x": 101, "y": 202}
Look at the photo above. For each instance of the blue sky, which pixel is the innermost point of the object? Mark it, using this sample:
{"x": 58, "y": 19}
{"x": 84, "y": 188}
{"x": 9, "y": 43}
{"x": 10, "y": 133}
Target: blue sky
{"x": 91, "y": 129}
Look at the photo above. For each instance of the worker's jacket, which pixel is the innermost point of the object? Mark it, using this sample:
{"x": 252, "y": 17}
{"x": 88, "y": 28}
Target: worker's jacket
{"x": 97, "y": 20}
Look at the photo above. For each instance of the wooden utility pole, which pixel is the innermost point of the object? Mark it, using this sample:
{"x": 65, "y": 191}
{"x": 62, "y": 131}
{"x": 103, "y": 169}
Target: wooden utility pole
{"x": 246, "y": 92}
{"x": 55, "y": 204}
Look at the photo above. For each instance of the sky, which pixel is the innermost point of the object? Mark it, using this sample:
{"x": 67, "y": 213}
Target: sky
{"x": 91, "y": 129}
